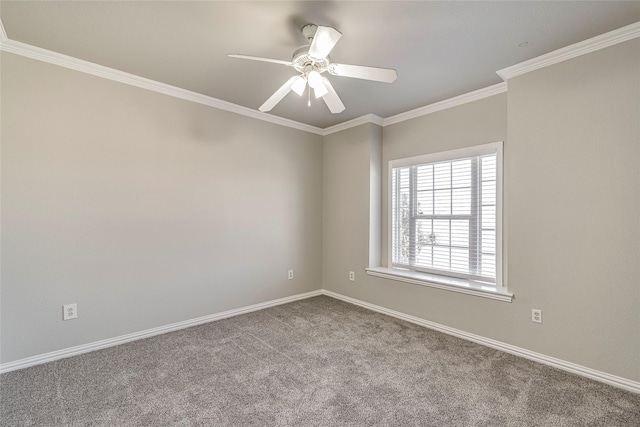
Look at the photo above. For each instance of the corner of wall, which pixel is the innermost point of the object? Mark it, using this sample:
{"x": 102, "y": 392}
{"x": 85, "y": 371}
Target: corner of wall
{"x": 375, "y": 195}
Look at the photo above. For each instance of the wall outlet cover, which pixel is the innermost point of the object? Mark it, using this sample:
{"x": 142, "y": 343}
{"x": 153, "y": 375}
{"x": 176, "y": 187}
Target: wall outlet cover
{"x": 69, "y": 311}
{"x": 536, "y": 315}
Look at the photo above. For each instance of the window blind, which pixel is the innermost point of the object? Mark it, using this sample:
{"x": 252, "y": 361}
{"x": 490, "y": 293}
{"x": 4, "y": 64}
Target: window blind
{"x": 444, "y": 217}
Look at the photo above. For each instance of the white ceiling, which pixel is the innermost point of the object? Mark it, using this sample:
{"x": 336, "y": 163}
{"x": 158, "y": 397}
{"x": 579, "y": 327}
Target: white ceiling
{"x": 440, "y": 49}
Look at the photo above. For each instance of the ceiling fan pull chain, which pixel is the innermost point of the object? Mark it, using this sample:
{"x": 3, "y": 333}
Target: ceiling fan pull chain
{"x": 309, "y": 96}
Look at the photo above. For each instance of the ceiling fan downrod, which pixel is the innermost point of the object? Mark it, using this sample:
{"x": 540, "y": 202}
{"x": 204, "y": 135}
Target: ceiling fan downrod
{"x": 309, "y": 32}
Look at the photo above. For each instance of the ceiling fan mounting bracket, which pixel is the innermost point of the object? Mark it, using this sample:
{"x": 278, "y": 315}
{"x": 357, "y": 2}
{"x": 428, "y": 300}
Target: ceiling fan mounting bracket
{"x": 309, "y": 31}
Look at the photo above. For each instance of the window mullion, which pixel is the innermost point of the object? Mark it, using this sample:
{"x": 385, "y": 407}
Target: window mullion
{"x": 479, "y": 216}
{"x": 433, "y": 207}
{"x": 450, "y": 213}
{"x": 413, "y": 202}
{"x": 395, "y": 250}
{"x": 474, "y": 226}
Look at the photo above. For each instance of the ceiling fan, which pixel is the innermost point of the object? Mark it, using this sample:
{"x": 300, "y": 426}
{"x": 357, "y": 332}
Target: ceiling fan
{"x": 310, "y": 61}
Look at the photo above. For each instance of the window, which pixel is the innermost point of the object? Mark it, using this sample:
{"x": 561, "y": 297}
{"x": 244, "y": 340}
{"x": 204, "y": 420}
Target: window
{"x": 446, "y": 214}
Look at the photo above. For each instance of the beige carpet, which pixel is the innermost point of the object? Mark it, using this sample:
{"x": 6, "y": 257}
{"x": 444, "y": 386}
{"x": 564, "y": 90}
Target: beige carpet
{"x": 316, "y": 362}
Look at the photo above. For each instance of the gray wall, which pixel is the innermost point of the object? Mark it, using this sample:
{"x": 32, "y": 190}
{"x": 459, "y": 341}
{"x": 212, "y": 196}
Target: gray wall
{"x": 348, "y": 157}
{"x": 346, "y": 204}
{"x": 143, "y": 209}
{"x": 574, "y": 208}
{"x": 137, "y": 206}
{"x": 572, "y": 234}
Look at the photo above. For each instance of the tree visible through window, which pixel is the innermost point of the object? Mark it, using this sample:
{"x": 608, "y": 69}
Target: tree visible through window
{"x": 444, "y": 216}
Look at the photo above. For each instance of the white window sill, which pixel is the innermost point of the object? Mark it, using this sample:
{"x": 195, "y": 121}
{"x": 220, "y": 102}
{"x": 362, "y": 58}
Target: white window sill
{"x": 441, "y": 282}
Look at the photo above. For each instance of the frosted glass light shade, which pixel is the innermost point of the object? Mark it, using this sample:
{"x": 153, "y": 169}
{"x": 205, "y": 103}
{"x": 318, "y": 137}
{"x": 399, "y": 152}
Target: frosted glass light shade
{"x": 315, "y": 79}
{"x": 299, "y": 85}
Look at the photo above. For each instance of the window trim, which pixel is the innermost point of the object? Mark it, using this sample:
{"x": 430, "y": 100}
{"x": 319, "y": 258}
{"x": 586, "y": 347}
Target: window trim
{"x": 443, "y": 281}
{"x": 469, "y": 287}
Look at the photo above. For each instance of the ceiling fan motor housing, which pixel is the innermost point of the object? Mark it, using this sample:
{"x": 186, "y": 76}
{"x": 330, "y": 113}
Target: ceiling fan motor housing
{"x": 302, "y": 60}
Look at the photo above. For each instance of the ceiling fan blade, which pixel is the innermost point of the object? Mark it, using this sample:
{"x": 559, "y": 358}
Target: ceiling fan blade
{"x": 386, "y": 75}
{"x": 331, "y": 98}
{"x": 323, "y": 41}
{"x": 258, "y": 58}
{"x": 278, "y": 95}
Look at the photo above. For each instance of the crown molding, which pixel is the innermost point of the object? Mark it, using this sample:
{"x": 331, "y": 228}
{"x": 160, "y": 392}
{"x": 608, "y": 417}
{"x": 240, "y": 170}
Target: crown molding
{"x": 587, "y": 46}
{"x": 367, "y": 118}
{"x": 605, "y": 40}
{"x": 44, "y": 55}
{"x": 447, "y": 103}
{"x": 87, "y": 67}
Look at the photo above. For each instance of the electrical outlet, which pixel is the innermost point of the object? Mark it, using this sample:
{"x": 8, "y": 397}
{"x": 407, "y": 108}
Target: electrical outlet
{"x": 69, "y": 311}
{"x": 352, "y": 276}
{"x": 536, "y": 315}
{"x": 290, "y": 276}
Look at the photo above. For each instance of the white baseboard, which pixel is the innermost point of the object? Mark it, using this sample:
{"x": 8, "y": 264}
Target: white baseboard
{"x": 593, "y": 374}
{"x": 85, "y": 348}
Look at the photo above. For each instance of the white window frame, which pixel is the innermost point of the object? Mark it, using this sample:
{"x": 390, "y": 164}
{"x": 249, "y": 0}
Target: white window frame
{"x": 442, "y": 280}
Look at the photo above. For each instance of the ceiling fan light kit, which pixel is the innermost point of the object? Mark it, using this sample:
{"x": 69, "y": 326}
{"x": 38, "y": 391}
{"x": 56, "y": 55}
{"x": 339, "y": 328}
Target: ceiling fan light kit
{"x": 299, "y": 85}
{"x": 311, "y": 61}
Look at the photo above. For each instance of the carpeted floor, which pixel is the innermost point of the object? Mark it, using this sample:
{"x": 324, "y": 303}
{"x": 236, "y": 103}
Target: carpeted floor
{"x": 315, "y": 362}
